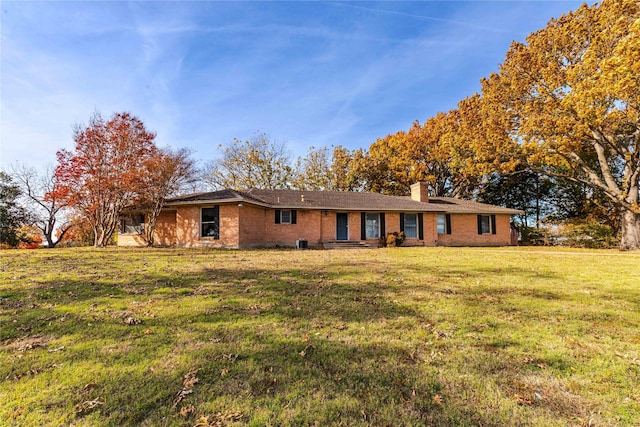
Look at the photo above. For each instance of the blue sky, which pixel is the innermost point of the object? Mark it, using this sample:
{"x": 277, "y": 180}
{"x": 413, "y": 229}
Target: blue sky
{"x": 200, "y": 73}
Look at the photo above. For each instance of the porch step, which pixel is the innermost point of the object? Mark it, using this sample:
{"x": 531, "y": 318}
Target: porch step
{"x": 346, "y": 244}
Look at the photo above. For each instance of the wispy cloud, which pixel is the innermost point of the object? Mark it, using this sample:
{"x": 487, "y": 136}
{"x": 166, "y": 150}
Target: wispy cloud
{"x": 202, "y": 73}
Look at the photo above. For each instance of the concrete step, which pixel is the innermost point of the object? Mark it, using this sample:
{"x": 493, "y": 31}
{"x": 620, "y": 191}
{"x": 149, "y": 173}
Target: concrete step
{"x": 346, "y": 244}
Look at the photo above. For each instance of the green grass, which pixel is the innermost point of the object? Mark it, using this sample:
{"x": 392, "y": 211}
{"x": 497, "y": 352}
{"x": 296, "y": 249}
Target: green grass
{"x": 397, "y": 337}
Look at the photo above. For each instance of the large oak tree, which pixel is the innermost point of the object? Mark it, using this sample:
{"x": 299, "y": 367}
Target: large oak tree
{"x": 569, "y": 102}
{"x": 429, "y": 152}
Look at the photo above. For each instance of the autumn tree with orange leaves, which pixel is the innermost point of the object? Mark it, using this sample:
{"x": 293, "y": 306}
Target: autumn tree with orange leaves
{"x": 428, "y": 152}
{"x": 101, "y": 176}
{"x": 567, "y": 103}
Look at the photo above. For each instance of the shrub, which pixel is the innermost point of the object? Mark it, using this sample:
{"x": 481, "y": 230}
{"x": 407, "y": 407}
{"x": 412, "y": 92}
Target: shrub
{"x": 394, "y": 239}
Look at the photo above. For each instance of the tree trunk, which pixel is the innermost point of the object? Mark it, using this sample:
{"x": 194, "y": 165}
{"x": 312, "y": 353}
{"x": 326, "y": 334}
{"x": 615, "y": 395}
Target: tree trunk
{"x": 630, "y": 231}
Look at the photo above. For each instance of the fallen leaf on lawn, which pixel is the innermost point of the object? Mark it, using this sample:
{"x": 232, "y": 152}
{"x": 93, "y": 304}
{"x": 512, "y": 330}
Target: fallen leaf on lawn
{"x": 55, "y": 350}
{"x": 87, "y": 387}
{"x": 132, "y": 321}
{"x": 147, "y": 332}
{"x": 437, "y": 399}
{"x": 186, "y": 410}
{"x": 88, "y": 405}
{"x": 188, "y": 382}
{"x": 521, "y": 399}
{"x": 219, "y": 419}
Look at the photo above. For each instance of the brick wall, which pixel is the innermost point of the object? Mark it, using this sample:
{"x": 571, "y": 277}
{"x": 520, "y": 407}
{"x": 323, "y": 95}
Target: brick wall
{"x": 165, "y": 234}
{"x": 307, "y": 227}
{"x": 166, "y": 228}
{"x": 464, "y": 232}
{"x": 188, "y": 227}
{"x": 251, "y": 226}
{"x": 129, "y": 239}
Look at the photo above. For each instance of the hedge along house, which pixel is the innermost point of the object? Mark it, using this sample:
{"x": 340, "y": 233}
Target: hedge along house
{"x": 268, "y": 218}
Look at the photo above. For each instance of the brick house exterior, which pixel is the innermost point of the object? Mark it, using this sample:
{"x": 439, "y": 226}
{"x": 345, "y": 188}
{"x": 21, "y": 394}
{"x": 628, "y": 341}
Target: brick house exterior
{"x": 270, "y": 218}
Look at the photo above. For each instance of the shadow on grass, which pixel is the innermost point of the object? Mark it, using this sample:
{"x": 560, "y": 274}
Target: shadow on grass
{"x": 280, "y": 345}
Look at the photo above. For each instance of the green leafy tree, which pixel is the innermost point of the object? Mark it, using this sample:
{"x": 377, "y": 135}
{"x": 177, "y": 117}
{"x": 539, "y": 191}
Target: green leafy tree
{"x": 12, "y": 215}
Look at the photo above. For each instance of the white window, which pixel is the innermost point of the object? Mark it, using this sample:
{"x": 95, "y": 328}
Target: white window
{"x": 411, "y": 226}
{"x": 372, "y": 223}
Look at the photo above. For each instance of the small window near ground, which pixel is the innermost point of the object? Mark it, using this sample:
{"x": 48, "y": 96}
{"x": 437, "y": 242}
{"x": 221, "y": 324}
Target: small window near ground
{"x": 372, "y": 221}
{"x": 210, "y": 222}
{"x": 132, "y": 224}
{"x": 411, "y": 226}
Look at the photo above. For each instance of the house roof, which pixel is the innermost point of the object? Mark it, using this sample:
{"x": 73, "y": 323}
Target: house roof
{"x": 338, "y": 200}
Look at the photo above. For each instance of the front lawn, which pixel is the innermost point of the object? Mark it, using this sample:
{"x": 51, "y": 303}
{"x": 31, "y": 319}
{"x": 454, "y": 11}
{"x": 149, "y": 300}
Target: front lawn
{"x": 397, "y": 337}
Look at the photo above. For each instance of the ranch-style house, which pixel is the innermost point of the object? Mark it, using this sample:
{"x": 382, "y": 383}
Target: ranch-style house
{"x": 289, "y": 218}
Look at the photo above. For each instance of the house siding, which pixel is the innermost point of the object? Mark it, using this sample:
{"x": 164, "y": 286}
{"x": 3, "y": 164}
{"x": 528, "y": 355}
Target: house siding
{"x": 166, "y": 229}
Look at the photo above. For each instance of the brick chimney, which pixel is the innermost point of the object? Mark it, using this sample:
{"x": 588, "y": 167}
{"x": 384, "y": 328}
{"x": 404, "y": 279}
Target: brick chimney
{"x": 420, "y": 192}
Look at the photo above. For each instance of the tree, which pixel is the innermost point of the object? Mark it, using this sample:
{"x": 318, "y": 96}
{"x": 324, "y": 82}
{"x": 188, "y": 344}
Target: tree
{"x": 348, "y": 169}
{"x": 569, "y": 100}
{"x": 426, "y": 153}
{"x": 258, "y": 162}
{"x": 43, "y": 203}
{"x": 101, "y": 176}
{"x": 313, "y": 172}
{"x": 523, "y": 190}
{"x": 165, "y": 173}
{"x": 12, "y": 215}
{"x": 30, "y": 237}
{"x": 80, "y": 234}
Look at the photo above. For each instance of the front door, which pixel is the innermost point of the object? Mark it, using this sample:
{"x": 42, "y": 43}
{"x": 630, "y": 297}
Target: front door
{"x": 342, "y": 226}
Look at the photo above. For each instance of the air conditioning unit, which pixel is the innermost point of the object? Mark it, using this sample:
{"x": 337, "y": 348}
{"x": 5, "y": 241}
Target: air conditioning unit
{"x": 302, "y": 244}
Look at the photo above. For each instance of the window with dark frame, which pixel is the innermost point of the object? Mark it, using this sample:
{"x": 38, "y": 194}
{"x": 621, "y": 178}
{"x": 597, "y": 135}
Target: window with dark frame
{"x": 444, "y": 224}
{"x": 372, "y": 224}
{"x": 286, "y": 216}
{"x": 410, "y": 226}
{"x": 486, "y": 224}
{"x": 210, "y": 222}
